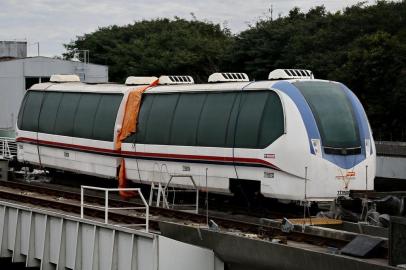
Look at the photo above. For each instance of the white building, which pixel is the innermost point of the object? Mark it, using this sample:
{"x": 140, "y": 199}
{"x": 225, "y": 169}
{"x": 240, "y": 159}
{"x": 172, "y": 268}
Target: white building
{"x": 19, "y": 74}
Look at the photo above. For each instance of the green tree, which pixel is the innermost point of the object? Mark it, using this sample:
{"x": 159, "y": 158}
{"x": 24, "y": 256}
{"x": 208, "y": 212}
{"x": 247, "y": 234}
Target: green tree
{"x": 157, "y": 47}
{"x": 374, "y": 66}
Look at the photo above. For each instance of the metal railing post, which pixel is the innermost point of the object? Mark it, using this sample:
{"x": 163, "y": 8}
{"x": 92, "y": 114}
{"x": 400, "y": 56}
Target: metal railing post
{"x": 81, "y": 201}
{"x": 106, "y": 211}
{"x": 197, "y": 200}
{"x": 147, "y": 219}
{"x": 146, "y": 210}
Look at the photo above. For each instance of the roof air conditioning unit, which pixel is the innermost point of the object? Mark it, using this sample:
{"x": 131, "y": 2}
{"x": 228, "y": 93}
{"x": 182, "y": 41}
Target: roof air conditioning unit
{"x": 134, "y": 80}
{"x": 283, "y": 74}
{"x": 228, "y": 77}
{"x": 59, "y": 78}
{"x": 176, "y": 80}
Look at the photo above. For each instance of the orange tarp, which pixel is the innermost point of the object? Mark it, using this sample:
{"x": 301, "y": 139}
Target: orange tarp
{"x": 132, "y": 109}
{"x": 129, "y": 125}
{"x": 122, "y": 183}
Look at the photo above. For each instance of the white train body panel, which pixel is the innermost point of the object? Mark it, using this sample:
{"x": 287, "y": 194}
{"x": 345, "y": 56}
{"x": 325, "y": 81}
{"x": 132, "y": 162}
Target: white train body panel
{"x": 293, "y": 167}
{"x": 67, "y": 159}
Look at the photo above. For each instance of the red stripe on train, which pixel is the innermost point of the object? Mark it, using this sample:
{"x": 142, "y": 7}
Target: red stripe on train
{"x": 151, "y": 155}
{"x": 67, "y": 145}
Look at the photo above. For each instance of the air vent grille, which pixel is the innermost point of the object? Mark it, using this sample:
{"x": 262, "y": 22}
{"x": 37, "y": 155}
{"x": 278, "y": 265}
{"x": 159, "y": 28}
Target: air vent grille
{"x": 283, "y": 74}
{"x": 176, "y": 80}
{"x": 228, "y": 77}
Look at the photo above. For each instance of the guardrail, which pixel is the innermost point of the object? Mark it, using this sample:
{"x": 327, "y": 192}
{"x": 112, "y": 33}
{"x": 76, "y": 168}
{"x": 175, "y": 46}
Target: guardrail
{"x": 106, "y": 207}
{"x": 8, "y": 148}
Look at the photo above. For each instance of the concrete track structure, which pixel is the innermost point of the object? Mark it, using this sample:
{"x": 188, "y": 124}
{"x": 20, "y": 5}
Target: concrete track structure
{"x": 50, "y": 240}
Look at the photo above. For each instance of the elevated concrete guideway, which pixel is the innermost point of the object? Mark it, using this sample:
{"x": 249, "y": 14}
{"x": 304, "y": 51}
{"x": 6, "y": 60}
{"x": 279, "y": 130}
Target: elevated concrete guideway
{"x": 51, "y": 240}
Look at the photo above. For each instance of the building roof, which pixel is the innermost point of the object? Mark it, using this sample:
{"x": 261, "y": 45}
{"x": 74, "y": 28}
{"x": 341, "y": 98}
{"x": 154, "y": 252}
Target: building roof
{"x": 33, "y": 58}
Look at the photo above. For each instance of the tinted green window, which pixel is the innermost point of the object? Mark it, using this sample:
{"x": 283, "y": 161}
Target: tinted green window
{"x": 31, "y": 111}
{"x": 333, "y": 113}
{"x": 48, "y": 112}
{"x": 66, "y": 114}
{"x": 82, "y": 115}
{"x": 209, "y": 119}
{"x": 85, "y": 114}
{"x": 106, "y": 115}
{"x": 272, "y": 123}
{"x": 250, "y": 118}
{"x": 21, "y": 112}
{"x": 160, "y": 119}
{"x": 215, "y": 118}
{"x": 186, "y": 119}
{"x": 260, "y": 120}
{"x": 146, "y": 105}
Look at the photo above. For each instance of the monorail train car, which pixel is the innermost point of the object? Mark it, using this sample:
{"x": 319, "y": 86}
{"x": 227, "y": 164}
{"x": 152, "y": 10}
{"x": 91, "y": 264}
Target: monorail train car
{"x": 69, "y": 125}
{"x": 291, "y": 137}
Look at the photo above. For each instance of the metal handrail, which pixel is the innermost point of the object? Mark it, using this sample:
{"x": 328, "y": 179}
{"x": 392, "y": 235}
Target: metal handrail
{"x": 196, "y": 190}
{"x": 8, "y": 147}
{"x": 106, "y": 207}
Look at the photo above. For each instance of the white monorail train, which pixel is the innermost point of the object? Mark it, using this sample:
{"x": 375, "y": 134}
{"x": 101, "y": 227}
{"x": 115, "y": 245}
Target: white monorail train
{"x": 290, "y": 137}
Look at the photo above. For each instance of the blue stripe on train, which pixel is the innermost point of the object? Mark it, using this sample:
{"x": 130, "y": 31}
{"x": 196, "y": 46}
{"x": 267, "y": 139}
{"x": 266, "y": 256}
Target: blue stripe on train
{"x": 304, "y": 109}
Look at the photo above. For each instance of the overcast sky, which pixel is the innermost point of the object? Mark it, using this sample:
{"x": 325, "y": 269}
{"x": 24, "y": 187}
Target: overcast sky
{"x": 55, "y": 22}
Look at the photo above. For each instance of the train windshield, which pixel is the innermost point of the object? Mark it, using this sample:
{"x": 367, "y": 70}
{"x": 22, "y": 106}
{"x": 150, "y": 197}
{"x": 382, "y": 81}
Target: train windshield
{"x": 333, "y": 112}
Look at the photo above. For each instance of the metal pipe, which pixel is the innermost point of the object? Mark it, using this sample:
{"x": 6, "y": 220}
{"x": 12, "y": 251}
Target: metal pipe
{"x": 366, "y": 195}
{"x": 207, "y": 201}
{"x": 305, "y": 184}
{"x": 366, "y": 177}
{"x": 305, "y": 201}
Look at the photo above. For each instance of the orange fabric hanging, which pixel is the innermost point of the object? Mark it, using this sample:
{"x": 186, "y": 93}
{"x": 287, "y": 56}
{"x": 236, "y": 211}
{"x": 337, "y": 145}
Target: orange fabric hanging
{"x": 122, "y": 183}
{"x": 129, "y": 125}
{"x": 132, "y": 109}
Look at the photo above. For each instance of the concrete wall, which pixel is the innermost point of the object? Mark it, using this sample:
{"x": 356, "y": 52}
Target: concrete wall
{"x": 12, "y": 84}
{"x": 13, "y": 74}
{"x": 391, "y": 167}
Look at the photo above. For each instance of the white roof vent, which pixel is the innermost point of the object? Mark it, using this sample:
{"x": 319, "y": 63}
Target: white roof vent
{"x": 228, "y": 77}
{"x": 59, "y": 78}
{"x": 133, "y": 80}
{"x": 280, "y": 74}
{"x": 176, "y": 80}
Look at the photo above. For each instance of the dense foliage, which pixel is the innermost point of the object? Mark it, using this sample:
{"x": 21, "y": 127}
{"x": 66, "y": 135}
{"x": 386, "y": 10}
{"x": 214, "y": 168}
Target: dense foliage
{"x": 362, "y": 46}
{"x": 157, "y": 47}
